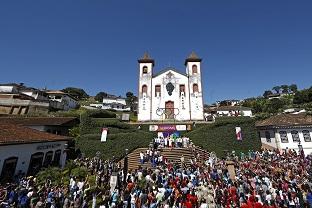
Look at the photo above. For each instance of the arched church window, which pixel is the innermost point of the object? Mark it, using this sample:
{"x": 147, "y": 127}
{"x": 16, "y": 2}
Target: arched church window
{"x": 194, "y": 69}
{"x": 145, "y": 69}
{"x": 182, "y": 89}
{"x": 195, "y": 88}
{"x": 144, "y": 89}
{"x": 157, "y": 91}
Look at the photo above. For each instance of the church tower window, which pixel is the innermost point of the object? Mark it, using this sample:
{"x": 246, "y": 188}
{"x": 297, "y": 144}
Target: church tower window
{"x": 194, "y": 69}
{"x": 144, "y": 89}
{"x": 145, "y": 69}
{"x": 182, "y": 90}
{"x": 157, "y": 91}
{"x": 195, "y": 88}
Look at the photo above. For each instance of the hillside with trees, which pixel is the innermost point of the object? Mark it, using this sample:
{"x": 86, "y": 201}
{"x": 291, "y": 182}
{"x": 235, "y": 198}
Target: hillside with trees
{"x": 278, "y": 99}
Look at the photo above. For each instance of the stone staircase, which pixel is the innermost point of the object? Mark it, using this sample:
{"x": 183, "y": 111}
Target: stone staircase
{"x": 172, "y": 155}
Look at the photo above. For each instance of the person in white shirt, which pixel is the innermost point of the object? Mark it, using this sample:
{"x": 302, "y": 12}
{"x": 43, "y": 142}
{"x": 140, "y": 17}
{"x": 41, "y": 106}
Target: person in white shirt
{"x": 141, "y": 157}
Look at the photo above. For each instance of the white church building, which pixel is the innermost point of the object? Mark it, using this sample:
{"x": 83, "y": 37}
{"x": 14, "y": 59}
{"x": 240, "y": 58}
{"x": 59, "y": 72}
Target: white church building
{"x": 170, "y": 94}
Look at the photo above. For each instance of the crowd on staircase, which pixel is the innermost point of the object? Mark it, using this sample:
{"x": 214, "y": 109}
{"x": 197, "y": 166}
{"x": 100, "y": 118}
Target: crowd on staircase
{"x": 267, "y": 179}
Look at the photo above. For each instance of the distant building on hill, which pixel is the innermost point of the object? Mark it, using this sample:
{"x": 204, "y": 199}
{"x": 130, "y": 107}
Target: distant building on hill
{"x": 60, "y": 100}
{"x": 286, "y": 131}
{"x": 229, "y": 111}
{"x": 112, "y": 102}
{"x": 278, "y": 95}
{"x": 18, "y": 99}
{"x": 170, "y": 94}
{"x": 228, "y": 103}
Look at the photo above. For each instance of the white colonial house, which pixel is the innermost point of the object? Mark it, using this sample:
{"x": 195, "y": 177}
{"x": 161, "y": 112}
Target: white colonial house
{"x": 170, "y": 94}
{"x": 112, "y": 103}
{"x": 26, "y": 150}
{"x": 61, "y": 101}
{"x": 286, "y": 131}
{"x": 233, "y": 111}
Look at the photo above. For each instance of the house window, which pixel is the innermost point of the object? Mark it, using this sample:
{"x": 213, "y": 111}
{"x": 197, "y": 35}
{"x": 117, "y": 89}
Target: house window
{"x": 268, "y": 136}
{"x": 194, "y": 69}
{"x": 283, "y": 135}
{"x": 182, "y": 89}
{"x": 306, "y": 136}
{"x": 157, "y": 91}
{"x": 144, "y": 89}
{"x": 295, "y": 136}
{"x": 145, "y": 69}
{"x": 195, "y": 88}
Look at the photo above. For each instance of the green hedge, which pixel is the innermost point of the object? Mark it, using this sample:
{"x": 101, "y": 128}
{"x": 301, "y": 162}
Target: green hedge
{"x": 115, "y": 144}
{"x": 221, "y": 135}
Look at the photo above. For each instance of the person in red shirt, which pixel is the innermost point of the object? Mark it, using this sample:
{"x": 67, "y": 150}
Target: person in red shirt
{"x": 257, "y": 204}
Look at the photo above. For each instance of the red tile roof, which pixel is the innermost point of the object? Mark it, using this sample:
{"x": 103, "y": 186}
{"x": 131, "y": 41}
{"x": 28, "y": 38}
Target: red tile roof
{"x": 39, "y": 121}
{"x": 16, "y": 134}
{"x": 284, "y": 120}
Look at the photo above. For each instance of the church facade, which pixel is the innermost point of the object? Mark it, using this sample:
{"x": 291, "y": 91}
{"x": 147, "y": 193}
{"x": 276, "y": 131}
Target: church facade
{"x": 170, "y": 94}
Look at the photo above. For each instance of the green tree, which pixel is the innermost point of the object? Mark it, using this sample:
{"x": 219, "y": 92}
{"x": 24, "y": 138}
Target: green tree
{"x": 51, "y": 175}
{"x": 276, "y": 89}
{"x": 274, "y": 105}
{"x": 293, "y": 88}
{"x": 267, "y": 93}
{"x": 284, "y": 88}
{"x": 99, "y": 97}
{"x": 303, "y": 96}
{"x": 77, "y": 93}
{"x": 131, "y": 100}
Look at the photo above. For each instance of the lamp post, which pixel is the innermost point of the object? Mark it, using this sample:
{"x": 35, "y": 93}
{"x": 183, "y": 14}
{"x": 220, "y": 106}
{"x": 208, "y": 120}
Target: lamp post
{"x": 125, "y": 168}
{"x": 300, "y": 148}
{"x": 64, "y": 156}
{"x": 97, "y": 156}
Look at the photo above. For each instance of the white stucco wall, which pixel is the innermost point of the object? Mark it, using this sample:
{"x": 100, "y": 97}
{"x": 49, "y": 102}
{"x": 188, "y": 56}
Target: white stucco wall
{"x": 276, "y": 141}
{"x": 114, "y": 100}
{"x": 160, "y": 102}
{"x": 196, "y": 99}
{"x": 24, "y": 152}
{"x": 190, "y": 106}
{"x": 145, "y": 99}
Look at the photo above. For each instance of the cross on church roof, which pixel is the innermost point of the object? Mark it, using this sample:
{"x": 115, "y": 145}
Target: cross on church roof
{"x": 146, "y": 59}
{"x": 193, "y": 55}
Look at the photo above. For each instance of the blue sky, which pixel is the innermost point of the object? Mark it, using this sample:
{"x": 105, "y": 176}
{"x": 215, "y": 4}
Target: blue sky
{"x": 246, "y": 46}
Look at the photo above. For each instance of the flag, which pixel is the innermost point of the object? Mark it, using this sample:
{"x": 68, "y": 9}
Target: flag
{"x": 104, "y": 134}
{"x": 238, "y": 133}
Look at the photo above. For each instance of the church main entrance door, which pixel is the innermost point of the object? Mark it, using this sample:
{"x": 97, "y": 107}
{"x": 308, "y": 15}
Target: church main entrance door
{"x": 169, "y": 106}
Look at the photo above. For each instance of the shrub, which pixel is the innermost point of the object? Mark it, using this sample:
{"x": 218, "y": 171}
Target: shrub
{"x": 221, "y": 136}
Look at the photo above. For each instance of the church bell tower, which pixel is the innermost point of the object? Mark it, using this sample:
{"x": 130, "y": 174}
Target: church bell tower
{"x": 146, "y": 64}
{"x": 193, "y": 71}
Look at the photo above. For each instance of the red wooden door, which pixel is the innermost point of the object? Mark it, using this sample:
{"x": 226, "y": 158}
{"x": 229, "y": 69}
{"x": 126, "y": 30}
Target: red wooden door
{"x": 169, "y": 110}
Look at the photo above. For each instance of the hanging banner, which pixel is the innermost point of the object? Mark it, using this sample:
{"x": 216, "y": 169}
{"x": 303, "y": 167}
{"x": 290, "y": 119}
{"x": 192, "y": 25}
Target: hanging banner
{"x": 104, "y": 134}
{"x": 238, "y": 133}
{"x": 167, "y": 128}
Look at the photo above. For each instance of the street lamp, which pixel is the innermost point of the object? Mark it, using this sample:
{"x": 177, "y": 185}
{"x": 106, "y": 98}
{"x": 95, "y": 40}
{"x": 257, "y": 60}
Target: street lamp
{"x": 97, "y": 157}
{"x": 300, "y": 147}
{"x": 125, "y": 168}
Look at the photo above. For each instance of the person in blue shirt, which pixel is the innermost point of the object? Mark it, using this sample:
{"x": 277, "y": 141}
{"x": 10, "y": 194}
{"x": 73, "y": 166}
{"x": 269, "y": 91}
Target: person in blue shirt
{"x": 309, "y": 198}
{"x": 23, "y": 200}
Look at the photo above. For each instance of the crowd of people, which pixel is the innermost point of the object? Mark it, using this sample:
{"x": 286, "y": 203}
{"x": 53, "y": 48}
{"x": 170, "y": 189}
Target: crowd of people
{"x": 266, "y": 179}
{"x": 171, "y": 141}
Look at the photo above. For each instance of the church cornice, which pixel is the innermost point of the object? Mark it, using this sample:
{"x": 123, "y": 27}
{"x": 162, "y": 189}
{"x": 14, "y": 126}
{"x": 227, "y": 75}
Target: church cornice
{"x": 168, "y": 69}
